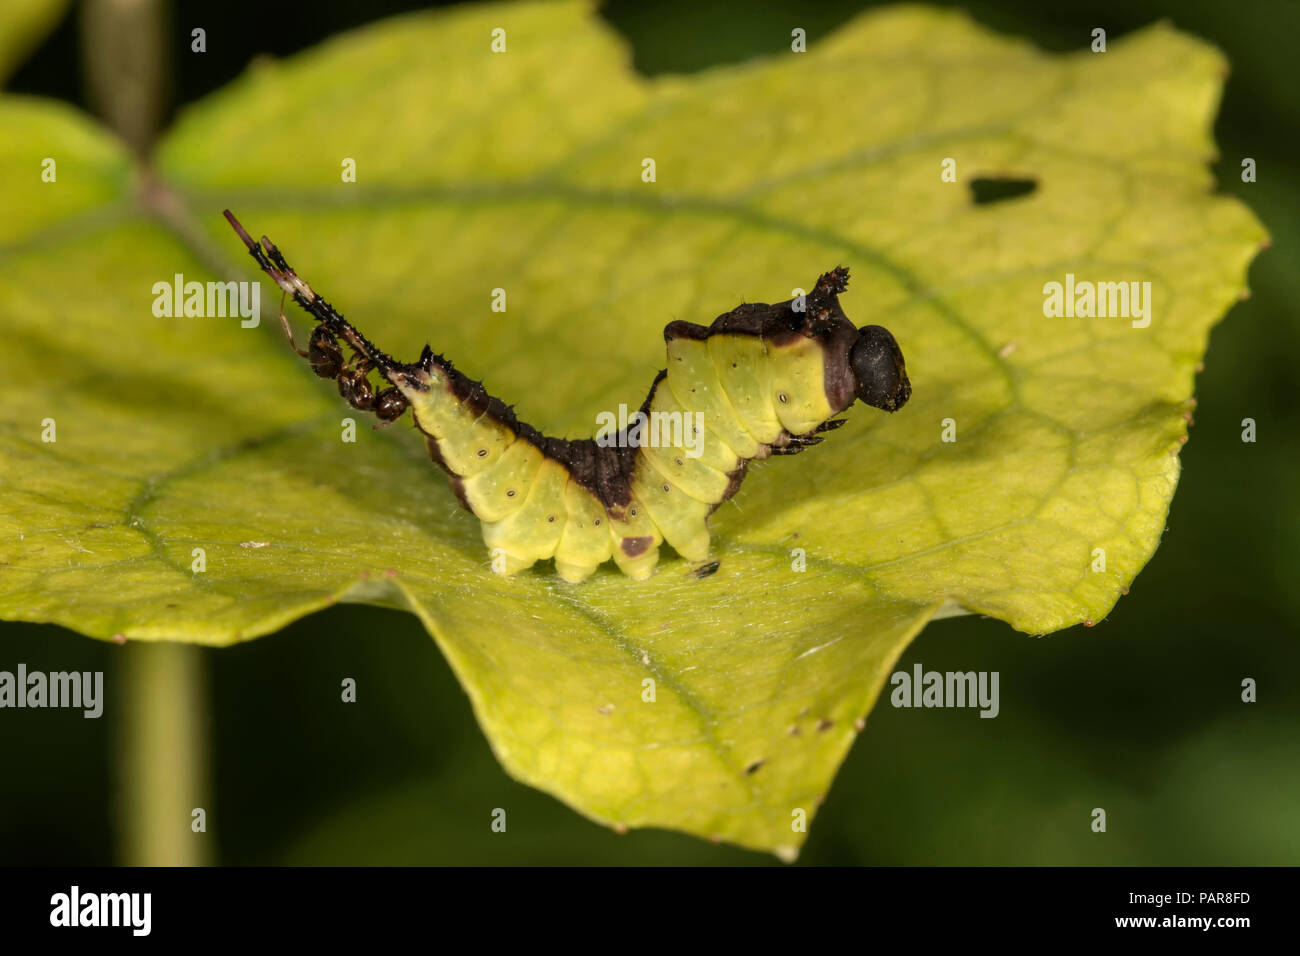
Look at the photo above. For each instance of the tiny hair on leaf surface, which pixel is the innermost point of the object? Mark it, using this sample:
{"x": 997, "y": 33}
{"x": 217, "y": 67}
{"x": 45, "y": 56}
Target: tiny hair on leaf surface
{"x": 523, "y": 172}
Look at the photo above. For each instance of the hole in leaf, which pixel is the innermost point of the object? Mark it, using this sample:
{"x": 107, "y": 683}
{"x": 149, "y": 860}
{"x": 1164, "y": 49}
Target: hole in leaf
{"x": 987, "y": 189}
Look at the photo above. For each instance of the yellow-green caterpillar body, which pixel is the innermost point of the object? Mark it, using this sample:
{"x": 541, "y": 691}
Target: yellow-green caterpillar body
{"x": 761, "y": 380}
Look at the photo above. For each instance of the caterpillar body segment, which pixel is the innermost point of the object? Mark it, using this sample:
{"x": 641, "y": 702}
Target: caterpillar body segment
{"x": 760, "y": 380}
{"x": 694, "y": 382}
{"x": 586, "y": 541}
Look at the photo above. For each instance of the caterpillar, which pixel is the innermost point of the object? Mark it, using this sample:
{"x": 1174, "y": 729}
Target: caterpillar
{"x": 761, "y": 380}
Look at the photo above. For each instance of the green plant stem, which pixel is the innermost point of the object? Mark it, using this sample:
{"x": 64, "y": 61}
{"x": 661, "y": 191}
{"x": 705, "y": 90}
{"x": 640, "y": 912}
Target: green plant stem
{"x": 163, "y": 765}
{"x": 124, "y": 55}
{"x": 164, "y": 758}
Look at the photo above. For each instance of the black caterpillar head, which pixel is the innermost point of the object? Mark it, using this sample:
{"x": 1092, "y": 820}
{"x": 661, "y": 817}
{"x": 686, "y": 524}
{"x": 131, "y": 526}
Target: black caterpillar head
{"x": 877, "y": 364}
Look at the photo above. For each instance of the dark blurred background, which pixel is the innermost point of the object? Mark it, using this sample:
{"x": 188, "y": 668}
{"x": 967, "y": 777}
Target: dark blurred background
{"x": 1141, "y": 715}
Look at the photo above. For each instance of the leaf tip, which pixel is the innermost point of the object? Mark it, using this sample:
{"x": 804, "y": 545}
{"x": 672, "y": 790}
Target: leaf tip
{"x": 787, "y": 854}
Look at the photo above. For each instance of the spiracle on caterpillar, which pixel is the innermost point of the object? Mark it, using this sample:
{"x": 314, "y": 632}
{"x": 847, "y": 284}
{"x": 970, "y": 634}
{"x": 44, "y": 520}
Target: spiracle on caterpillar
{"x": 762, "y": 379}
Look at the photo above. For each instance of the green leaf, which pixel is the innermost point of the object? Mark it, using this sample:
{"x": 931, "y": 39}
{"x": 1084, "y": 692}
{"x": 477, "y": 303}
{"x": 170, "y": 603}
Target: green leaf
{"x": 22, "y": 24}
{"x": 522, "y": 171}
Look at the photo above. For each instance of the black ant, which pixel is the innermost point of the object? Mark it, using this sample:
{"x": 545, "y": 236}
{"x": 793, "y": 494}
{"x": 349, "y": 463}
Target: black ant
{"x": 323, "y": 351}
{"x": 387, "y": 404}
{"x": 325, "y": 356}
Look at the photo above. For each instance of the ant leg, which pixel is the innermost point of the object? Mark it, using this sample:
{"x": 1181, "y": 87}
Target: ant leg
{"x": 360, "y": 364}
{"x": 288, "y": 332}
